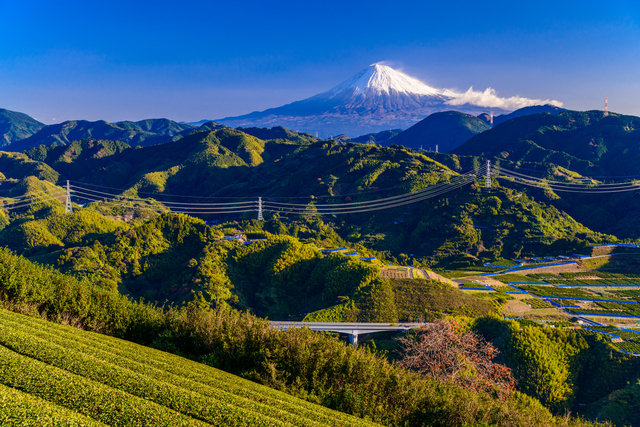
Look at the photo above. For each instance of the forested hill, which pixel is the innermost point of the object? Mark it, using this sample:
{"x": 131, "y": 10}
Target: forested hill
{"x": 584, "y": 142}
{"x": 228, "y": 162}
{"x": 278, "y": 132}
{"x": 447, "y": 130}
{"x": 470, "y": 220}
{"x": 15, "y": 126}
{"x": 145, "y": 132}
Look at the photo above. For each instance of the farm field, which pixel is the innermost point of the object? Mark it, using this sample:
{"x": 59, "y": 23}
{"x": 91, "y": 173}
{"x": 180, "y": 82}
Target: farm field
{"x": 589, "y": 292}
{"x": 399, "y": 272}
{"x": 54, "y": 372}
{"x": 630, "y": 340}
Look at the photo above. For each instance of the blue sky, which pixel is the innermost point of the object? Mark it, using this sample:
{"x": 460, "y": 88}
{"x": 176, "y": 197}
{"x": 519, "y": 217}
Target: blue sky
{"x": 187, "y": 61}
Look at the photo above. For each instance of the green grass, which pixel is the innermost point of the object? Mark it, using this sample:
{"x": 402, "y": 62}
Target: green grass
{"x": 118, "y": 382}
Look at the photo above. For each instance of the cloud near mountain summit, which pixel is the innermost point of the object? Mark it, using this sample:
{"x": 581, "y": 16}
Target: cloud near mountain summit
{"x": 489, "y": 98}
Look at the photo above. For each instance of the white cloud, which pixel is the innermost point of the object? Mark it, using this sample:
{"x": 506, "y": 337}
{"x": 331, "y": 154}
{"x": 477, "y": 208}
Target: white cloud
{"x": 488, "y": 98}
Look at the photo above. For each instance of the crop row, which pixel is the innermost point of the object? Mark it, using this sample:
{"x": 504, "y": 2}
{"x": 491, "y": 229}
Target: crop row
{"x": 133, "y": 356}
{"x": 622, "y": 334}
{"x": 159, "y": 367}
{"x": 557, "y": 292}
{"x": 629, "y": 293}
{"x": 633, "y": 310}
{"x": 601, "y": 274}
{"x": 605, "y": 312}
{"x": 89, "y": 398}
{"x": 631, "y": 346}
{"x": 213, "y": 411}
{"x": 512, "y": 277}
{"x": 536, "y": 303}
{"x": 18, "y": 408}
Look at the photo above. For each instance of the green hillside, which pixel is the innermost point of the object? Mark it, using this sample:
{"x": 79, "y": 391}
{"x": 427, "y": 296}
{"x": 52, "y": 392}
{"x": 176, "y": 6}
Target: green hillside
{"x": 448, "y": 130}
{"x": 525, "y": 111}
{"x": 567, "y": 147}
{"x": 15, "y": 126}
{"x": 98, "y": 380}
{"x": 584, "y": 142}
{"x": 114, "y": 380}
{"x": 278, "y": 132}
{"x": 146, "y": 132}
{"x": 19, "y": 165}
{"x": 376, "y": 138}
{"x": 491, "y": 223}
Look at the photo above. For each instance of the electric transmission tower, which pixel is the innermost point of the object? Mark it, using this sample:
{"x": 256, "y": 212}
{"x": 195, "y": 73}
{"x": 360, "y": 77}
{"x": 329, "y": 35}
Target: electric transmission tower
{"x": 67, "y": 206}
{"x": 487, "y": 178}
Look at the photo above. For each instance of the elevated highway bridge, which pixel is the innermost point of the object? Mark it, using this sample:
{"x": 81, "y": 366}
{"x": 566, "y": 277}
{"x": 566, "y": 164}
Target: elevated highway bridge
{"x": 352, "y": 330}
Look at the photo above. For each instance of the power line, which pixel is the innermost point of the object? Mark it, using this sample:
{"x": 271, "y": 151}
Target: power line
{"x": 562, "y": 186}
{"x": 85, "y": 191}
{"x": 523, "y": 176}
{"x": 34, "y": 201}
{"x": 465, "y": 177}
{"x": 234, "y": 207}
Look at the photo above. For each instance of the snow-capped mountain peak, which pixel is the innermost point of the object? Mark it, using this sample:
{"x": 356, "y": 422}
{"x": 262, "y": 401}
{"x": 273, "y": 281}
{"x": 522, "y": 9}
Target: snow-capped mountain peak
{"x": 378, "y": 98}
{"x": 378, "y": 79}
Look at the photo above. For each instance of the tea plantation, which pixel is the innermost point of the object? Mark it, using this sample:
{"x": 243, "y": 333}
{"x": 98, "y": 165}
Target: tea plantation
{"x": 57, "y": 375}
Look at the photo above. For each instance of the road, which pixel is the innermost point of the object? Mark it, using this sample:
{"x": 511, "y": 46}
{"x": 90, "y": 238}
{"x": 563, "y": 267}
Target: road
{"x": 353, "y": 330}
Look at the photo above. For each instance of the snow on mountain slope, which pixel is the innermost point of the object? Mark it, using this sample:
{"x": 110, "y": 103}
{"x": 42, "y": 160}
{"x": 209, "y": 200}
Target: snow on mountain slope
{"x": 378, "y": 79}
{"x": 376, "y": 99}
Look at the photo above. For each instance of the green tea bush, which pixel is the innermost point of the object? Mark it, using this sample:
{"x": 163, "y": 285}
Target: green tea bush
{"x": 18, "y": 408}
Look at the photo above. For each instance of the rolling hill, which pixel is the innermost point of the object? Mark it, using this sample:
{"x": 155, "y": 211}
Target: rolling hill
{"x": 93, "y": 380}
{"x": 447, "y": 130}
{"x": 535, "y": 109}
{"x": 584, "y": 142}
{"x": 227, "y": 163}
{"x": 15, "y": 126}
{"x": 145, "y": 132}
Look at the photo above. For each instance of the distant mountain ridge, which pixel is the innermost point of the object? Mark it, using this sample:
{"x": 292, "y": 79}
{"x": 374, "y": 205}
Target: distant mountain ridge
{"x": 526, "y": 111}
{"x": 584, "y": 142}
{"x": 446, "y": 130}
{"x": 376, "y": 99}
{"x": 15, "y": 126}
{"x": 144, "y": 132}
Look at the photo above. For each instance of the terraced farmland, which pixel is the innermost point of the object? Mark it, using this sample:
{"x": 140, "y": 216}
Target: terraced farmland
{"x": 57, "y": 375}
{"x": 536, "y": 303}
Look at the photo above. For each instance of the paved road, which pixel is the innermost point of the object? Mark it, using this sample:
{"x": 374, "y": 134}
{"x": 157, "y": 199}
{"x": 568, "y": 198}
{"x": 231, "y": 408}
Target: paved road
{"x": 353, "y": 330}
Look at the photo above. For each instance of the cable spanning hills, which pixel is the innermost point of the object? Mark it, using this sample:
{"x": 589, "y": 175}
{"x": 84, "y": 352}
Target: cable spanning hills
{"x": 376, "y": 99}
{"x": 87, "y": 193}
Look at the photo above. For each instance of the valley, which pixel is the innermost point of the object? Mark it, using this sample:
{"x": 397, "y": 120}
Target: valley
{"x": 187, "y": 245}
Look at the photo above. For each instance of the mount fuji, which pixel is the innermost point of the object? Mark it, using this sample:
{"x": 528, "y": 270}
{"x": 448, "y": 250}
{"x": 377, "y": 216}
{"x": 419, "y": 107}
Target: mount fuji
{"x": 376, "y": 99}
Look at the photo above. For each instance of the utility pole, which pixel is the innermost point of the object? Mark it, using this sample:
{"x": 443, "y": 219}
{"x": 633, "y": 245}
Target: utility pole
{"x": 487, "y": 178}
{"x": 67, "y": 206}
{"x": 260, "y": 209}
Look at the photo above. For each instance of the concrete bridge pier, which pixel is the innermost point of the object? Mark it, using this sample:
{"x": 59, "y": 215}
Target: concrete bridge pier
{"x": 353, "y": 336}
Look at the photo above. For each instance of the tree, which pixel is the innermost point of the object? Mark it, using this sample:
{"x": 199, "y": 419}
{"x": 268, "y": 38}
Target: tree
{"x": 541, "y": 366}
{"x": 443, "y": 351}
